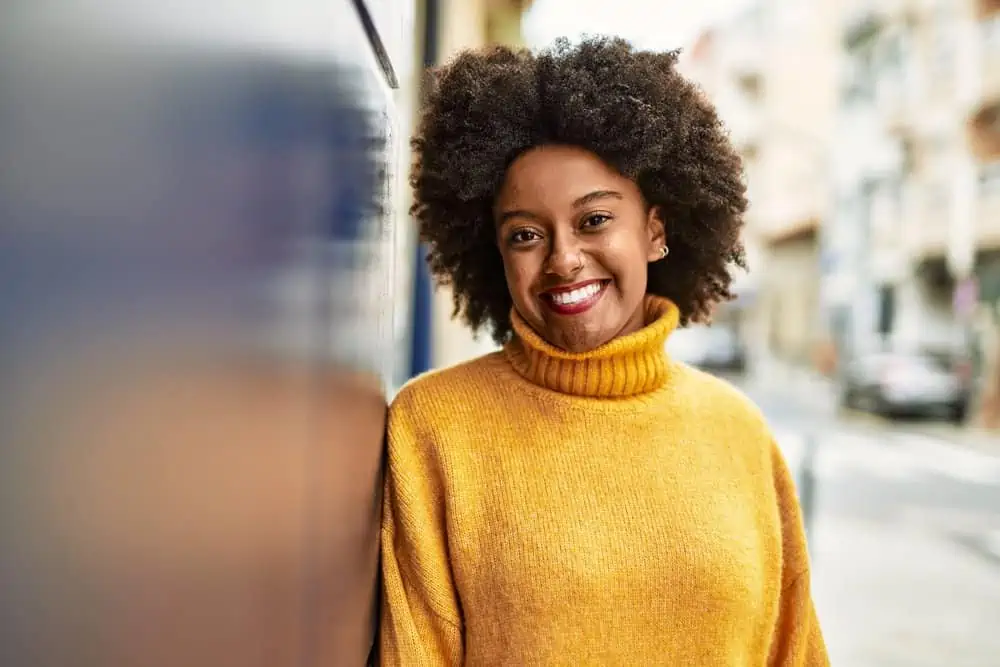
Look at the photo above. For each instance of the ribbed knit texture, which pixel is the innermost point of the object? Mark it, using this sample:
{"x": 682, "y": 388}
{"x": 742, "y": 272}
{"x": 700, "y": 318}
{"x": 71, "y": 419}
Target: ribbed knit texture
{"x": 607, "y": 508}
{"x": 627, "y": 366}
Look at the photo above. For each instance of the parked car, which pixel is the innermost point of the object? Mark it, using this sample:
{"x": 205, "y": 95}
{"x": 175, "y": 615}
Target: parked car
{"x": 906, "y": 383}
{"x": 711, "y": 348}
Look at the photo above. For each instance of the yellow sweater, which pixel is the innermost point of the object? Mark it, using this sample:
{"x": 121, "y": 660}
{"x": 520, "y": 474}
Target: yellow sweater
{"x": 606, "y": 508}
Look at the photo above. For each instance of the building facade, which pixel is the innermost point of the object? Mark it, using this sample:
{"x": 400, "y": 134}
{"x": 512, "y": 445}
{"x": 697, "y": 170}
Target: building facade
{"x": 913, "y": 243}
{"x": 770, "y": 71}
{"x": 870, "y": 131}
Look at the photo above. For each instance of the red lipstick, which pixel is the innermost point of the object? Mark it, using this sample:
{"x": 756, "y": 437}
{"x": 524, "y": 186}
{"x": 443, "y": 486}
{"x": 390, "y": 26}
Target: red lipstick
{"x": 576, "y": 298}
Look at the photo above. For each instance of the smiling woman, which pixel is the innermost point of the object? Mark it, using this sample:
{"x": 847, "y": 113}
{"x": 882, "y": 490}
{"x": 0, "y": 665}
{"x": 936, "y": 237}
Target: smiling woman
{"x": 575, "y": 237}
{"x": 649, "y": 135}
{"x": 578, "y": 497}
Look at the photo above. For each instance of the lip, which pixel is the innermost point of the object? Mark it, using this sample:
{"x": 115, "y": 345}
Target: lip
{"x": 576, "y": 308}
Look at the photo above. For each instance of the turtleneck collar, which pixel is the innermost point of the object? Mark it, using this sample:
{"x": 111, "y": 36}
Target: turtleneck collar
{"x": 625, "y": 366}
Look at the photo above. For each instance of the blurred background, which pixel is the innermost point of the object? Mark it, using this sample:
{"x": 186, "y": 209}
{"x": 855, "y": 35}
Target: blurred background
{"x": 210, "y": 286}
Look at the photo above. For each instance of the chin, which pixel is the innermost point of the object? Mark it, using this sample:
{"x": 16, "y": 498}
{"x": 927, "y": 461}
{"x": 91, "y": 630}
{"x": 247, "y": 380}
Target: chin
{"x": 579, "y": 347}
{"x": 579, "y": 342}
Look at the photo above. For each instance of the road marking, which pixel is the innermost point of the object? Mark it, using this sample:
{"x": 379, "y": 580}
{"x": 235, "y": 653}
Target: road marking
{"x": 857, "y": 453}
{"x": 942, "y": 457}
{"x": 841, "y": 454}
{"x": 944, "y": 519}
{"x": 888, "y": 455}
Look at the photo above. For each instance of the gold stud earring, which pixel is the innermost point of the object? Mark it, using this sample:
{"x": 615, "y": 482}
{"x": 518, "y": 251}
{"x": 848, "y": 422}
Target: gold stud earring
{"x": 663, "y": 251}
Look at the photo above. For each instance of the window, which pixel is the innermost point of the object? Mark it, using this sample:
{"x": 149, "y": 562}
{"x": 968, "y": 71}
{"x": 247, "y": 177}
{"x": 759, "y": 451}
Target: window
{"x": 886, "y": 309}
{"x": 859, "y": 85}
{"x": 908, "y": 156}
{"x": 752, "y": 86}
{"x": 893, "y": 55}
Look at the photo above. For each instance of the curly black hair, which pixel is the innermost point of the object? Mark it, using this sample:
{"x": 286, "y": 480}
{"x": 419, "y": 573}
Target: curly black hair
{"x": 631, "y": 108}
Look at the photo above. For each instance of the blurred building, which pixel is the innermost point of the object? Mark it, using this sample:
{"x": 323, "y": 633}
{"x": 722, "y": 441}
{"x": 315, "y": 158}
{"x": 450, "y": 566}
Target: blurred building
{"x": 912, "y": 253}
{"x": 870, "y": 130}
{"x": 906, "y": 232}
{"x": 771, "y": 70}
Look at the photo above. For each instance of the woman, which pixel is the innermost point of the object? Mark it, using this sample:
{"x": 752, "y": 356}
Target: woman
{"x": 577, "y": 498}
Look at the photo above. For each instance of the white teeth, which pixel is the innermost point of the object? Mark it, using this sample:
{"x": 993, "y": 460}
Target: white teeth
{"x": 577, "y": 295}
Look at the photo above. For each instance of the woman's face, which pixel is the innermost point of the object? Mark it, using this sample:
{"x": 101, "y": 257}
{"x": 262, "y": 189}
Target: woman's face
{"x": 576, "y": 238}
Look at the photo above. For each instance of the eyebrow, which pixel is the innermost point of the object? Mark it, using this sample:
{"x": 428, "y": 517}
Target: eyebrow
{"x": 517, "y": 213}
{"x": 588, "y": 198}
{"x": 596, "y": 195}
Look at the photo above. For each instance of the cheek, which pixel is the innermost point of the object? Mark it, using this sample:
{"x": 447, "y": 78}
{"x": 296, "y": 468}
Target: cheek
{"x": 519, "y": 273}
{"x": 625, "y": 257}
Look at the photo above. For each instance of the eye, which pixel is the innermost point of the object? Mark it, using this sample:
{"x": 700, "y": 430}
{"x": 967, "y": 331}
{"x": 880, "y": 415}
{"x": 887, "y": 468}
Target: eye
{"x": 522, "y": 236}
{"x": 595, "y": 220}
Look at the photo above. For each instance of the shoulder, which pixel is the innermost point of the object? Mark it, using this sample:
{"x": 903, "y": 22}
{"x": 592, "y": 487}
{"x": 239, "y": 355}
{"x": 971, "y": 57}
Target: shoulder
{"x": 445, "y": 388}
{"x": 730, "y": 418}
{"x": 719, "y": 404}
{"x": 446, "y": 400}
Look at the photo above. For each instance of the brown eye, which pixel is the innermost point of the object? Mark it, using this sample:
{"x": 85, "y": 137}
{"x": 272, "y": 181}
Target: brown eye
{"x": 595, "y": 221}
{"x": 523, "y": 236}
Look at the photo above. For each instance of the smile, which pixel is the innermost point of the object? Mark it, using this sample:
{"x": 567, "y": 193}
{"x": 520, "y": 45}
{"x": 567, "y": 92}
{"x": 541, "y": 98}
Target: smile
{"x": 575, "y": 299}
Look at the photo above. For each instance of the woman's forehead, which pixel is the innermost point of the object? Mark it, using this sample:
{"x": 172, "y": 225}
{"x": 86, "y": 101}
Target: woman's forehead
{"x": 561, "y": 176}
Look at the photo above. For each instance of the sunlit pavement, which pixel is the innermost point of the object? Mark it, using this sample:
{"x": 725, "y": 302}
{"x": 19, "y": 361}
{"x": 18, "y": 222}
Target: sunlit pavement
{"x": 904, "y": 532}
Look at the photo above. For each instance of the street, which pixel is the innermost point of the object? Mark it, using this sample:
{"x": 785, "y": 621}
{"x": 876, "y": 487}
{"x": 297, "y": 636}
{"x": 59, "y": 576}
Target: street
{"x": 904, "y": 534}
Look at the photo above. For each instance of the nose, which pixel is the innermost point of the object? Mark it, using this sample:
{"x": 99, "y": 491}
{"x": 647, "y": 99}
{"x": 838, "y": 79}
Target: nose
{"x": 565, "y": 257}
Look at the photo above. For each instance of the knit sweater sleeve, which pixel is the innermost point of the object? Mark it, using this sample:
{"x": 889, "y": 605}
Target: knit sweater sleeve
{"x": 797, "y": 639}
{"x": 421, "y": 624}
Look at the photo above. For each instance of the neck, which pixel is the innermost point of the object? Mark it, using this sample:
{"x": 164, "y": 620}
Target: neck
{"x": 626, "y": 366}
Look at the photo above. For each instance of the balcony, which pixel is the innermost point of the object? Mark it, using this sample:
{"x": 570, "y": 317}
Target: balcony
{"x": 983, "y": 126}
{"x": 983, "y": 132}
{"x": 794, "y": 213}
{"x": 927, "y": 236}
{"x": 987, "y": 8}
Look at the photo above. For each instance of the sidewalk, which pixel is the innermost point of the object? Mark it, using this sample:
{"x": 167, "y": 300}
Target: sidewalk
{"x": 899, "y": 595}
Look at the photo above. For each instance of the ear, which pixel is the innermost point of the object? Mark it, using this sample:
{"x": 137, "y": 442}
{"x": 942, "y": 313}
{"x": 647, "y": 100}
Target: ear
{"x": 656, "y": 234}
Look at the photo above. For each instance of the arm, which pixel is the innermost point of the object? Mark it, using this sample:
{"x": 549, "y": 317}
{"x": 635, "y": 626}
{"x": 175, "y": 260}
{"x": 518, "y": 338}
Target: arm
{"x": 797, "y": 641}
{"x": 421, "y": 622}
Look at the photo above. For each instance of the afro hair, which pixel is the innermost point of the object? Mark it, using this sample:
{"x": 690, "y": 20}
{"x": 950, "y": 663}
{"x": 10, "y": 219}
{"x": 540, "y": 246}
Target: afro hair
{"x": 631, "y": 108}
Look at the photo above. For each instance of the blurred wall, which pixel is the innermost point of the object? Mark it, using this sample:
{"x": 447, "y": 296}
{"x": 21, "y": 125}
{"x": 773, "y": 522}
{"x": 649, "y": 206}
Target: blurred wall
{"x": 199, "y": 229}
